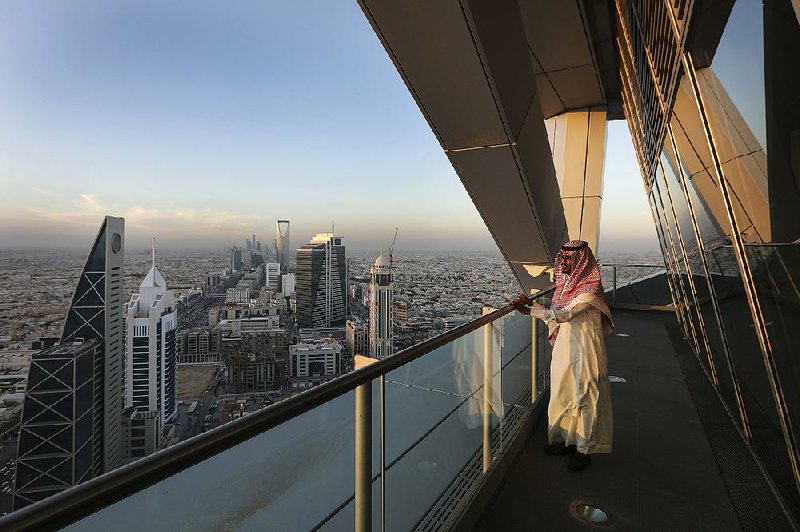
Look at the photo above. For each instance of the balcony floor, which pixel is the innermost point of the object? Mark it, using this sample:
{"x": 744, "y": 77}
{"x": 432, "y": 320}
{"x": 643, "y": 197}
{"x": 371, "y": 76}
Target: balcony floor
{"x": 662, "y": 474}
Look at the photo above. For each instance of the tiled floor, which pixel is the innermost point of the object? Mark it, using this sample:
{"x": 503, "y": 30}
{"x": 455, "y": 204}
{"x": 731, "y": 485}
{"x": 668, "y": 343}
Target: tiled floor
{"x": 662, "y": 474}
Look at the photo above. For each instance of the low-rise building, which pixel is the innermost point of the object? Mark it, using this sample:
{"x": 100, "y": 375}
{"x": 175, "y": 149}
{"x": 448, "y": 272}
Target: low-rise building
{"x": 238, "y": 295}
{"x": 287, "y": 284}
{"x": 314, "y": 361}
{"x": 250, "y": 372}
{"x": 357, "y": 337}
{"x": 199, "y": 345}
{"x": 141, "y": 432}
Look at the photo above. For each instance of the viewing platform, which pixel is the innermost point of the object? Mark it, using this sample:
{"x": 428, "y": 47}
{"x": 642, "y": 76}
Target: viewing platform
{"x": 668, "y": 471}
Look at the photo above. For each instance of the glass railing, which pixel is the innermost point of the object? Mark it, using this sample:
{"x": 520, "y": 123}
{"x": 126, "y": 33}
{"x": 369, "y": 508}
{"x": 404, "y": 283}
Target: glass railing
{"x": 404, "y": 442}
{"x": 635, "y": 284}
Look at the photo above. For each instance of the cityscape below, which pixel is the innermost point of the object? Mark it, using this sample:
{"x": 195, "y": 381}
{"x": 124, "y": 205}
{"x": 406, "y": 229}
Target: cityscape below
{"x": 211, "y": 337}
{"x": 382, "y": 265}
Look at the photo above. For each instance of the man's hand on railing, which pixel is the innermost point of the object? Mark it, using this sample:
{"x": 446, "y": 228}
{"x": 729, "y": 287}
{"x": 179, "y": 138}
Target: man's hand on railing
{"x": 521, "y": 303}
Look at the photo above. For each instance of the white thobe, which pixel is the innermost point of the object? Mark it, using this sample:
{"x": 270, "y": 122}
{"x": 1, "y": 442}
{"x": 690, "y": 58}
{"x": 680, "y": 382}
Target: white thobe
{"x": 579, "y": 412}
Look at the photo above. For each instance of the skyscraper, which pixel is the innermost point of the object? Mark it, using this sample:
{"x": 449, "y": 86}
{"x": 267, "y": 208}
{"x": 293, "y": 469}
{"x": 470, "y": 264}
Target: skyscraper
{"x": 57, "y": 438}
{"x": 150, "y": 349}
{"x": 236, "y": 259}
{"x": 67, "y": 441}
{"x": 282, "y": 244}
{"x": 96, "y": 312}
{"x": 381, "y": 333}
{"x": 273, "y": 276}
{"x": 321, "y": 288}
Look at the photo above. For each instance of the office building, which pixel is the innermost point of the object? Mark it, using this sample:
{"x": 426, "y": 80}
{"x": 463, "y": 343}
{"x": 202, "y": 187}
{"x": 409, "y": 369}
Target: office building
{"x": 213, "y": 315}
{"x": 236, "y": 259}
{"x": 381, "y": 307}
{"x": 321, "y": 282}
{"x": 312, "y": 362}
{"x": 250, "y": 372}
{"x": 150, "y": 371}
{"x": 213, "y": 280}
{"x": 273, "y": 276}
{"x": 95, "y": 313}
{"x": 402, "y": 305}
{"x": 199, "y": 345}
{"x": 261, "y": 334}
{"x": 239, "y": 295}
{"x": 288, "y": 282}
{"x": 282, "y": 244}
{"x": 58, "y": 441}
{"x": 356, "y": 337}
{"x": 141, "y": 430}
{"x": 256, "y": 259}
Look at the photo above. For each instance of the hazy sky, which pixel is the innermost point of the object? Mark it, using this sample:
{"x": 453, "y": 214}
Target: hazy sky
{"x": 203, "y": 122}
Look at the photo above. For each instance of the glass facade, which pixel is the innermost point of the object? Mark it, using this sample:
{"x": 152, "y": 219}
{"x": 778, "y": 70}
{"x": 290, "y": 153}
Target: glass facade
{"x": 56, "y": 438}
{"x": 722, "y": 180}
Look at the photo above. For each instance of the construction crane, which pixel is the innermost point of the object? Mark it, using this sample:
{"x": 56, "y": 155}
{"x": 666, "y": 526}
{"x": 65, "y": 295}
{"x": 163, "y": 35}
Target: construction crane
{"x": 391, "y": 248}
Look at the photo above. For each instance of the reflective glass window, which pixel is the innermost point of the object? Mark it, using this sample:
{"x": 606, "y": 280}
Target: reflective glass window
{"x": 696, "y": 277}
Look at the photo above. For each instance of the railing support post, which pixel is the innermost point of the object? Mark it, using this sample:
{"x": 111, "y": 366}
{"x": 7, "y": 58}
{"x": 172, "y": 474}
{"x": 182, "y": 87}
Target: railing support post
{"x": 383, "y": 452}
{"x": 363, "y": 444}
{"x": 487, "y": 396}
{"x": 614, "y": 284}
{"x": 535, "y": 391}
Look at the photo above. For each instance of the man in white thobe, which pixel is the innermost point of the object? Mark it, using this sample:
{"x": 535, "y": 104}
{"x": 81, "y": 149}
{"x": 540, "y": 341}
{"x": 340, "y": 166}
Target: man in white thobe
{"x": 579, "y": 414}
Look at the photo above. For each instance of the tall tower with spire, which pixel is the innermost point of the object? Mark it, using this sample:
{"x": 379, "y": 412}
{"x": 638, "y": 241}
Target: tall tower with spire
{"x": 150, "y": 372}
{"x": 381, "y": 334}
{"x": 282, "y": 243}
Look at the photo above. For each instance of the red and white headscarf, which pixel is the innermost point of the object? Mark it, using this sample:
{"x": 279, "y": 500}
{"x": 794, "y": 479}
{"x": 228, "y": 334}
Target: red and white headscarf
{"x": 584, "y": 278}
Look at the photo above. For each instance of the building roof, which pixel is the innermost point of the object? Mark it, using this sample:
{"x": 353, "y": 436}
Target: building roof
{"x": 154, "y": 278}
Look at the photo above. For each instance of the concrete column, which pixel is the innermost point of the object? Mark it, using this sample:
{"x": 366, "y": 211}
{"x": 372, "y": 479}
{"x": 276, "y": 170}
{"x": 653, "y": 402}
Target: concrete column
{"x": 578, "y": 144}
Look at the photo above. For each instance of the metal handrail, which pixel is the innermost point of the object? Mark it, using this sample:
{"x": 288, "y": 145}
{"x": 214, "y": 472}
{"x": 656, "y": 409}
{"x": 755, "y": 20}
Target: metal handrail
{"x": 79, "y": 501}
{"x": 768, "y": 244}
{"x": 621, "y": 264}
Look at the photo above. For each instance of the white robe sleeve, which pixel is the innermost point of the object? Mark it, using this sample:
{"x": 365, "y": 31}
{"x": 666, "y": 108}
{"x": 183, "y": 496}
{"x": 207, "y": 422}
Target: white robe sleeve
{"x": 560, "y": 316}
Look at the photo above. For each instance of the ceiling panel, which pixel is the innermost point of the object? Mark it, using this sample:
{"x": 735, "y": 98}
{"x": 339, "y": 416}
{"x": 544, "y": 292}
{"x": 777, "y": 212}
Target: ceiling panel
{"x": 433, "y": 49}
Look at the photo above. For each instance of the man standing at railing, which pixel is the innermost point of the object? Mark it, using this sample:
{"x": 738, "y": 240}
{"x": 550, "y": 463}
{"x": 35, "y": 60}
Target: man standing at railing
{"x": 579, "y": 414}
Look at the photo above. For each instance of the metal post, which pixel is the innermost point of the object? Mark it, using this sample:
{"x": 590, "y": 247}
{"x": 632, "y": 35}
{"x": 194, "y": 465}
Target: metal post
{"x": 487, "y": 397}
{"x": 363, "y": 469}
{"x": 383, "y": 453}
{"x": 535, "y": 391}
{"x": 614, "y": 284}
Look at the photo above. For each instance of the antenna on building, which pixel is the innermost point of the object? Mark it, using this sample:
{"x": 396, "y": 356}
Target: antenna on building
{"x": 154, "y": 252}
{"x": 391, "y": 248}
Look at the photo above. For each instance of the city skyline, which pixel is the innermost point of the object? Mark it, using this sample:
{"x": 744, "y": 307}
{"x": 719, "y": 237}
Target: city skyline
{"x": 112, "y": 103}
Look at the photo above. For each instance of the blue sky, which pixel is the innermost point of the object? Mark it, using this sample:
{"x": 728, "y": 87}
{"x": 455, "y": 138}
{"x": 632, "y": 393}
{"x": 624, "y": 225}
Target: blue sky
{"x": 203, "y": 122}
